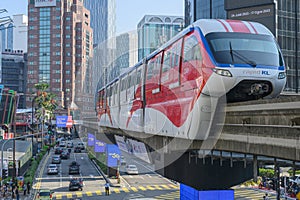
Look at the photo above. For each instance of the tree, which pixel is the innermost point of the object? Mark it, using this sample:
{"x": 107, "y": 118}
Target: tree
{"x": 45, "y": 102}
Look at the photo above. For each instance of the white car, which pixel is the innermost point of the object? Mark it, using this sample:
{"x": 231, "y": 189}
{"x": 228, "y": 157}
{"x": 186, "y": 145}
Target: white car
{"x": 132, "y": 169}
{"x": 52, "y": 169}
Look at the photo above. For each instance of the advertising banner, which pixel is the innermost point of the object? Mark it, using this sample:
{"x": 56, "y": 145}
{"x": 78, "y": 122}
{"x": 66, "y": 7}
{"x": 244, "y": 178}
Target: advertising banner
{"x": 99, "y": 146}
{"x": 120, "y": 140}
{"x": 61, "y": 121}
{"x": 113, "y": 155}
{"x": 44, "y": 3}
{"x": 91, "y": 139}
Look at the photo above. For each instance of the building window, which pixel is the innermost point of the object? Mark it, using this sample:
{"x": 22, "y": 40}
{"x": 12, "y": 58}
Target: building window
{"x": 68, "y": 45}
{"x": 68, "y": 36}
{"x": 57, "y": 62}
{"x": 68, "y": 54}
{"x": 68, "y": 81}
{"x": 57, "y": 53}
{"x": 68, "y": 18}
{"x": 68, "y": 27}
{"x": 68, "y": 72}
{"x": 68, "y": 63}
{"x": 57, "y": 44}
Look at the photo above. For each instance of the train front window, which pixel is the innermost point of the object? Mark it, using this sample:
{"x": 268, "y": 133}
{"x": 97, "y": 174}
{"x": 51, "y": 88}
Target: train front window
{"x": 243, "y": 48}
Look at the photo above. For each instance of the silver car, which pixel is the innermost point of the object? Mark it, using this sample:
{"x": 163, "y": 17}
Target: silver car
{"x": 52, "y": 169}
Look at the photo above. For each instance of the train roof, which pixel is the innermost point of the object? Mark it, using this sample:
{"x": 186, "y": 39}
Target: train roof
{"x": 221, "y": 25}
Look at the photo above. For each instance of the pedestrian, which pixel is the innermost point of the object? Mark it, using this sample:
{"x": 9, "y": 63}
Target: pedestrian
{"x": 28, "y": 187}
{"x": 24, "y": 189}
{"x": 48, "y": 150}
{"x": 107, "y": 188}
{"x": 17, "y": 193}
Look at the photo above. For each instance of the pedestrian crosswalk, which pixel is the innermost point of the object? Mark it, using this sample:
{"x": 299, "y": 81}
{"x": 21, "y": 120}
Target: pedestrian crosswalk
{"x": 169, "y": 196}
{"x": 120, "y": 190}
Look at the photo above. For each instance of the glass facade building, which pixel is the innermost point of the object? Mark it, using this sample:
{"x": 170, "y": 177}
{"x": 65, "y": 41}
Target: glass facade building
{"x": 103, "y": 19}
{"x": 153, "y": 31}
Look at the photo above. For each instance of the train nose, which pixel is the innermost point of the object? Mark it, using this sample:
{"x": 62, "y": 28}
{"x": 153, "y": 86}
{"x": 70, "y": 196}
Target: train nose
{"x": 259, "y": 89}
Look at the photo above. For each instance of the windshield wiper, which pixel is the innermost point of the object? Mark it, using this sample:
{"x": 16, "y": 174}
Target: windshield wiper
{"x": 241, "y": 57}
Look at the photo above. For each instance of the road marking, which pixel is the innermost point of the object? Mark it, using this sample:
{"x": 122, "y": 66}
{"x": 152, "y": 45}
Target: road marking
{"x": 157, "y": 187}
{"x": 58, "y": 196}
{"x": 142, "y": 188}
{"x": 125, "y": 189}
{"x": 79, "y": 194}
{"x": 69, "y": 195}
{"x": 89, "y": 194}
{"x": 165, "y": 186}
{"x": 173, "y": 186}
{"x": 98, "y": 192}
{"x": 149, "y": 187}
{"x": 116, "y": 190}
{"x": 134, "y": 189}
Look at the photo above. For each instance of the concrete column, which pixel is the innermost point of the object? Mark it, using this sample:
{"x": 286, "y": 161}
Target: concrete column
{"x": 255, "y": 168}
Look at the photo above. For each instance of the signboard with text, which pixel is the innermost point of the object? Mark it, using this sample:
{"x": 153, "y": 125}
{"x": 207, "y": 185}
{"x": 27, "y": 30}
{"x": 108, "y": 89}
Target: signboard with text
{"x": 44, "y": 3}
{"x": 99, "y": 146}
{"x": 91, "y": 139}
{"x": 113, "y": 155}
{"x": 61, "y": 121}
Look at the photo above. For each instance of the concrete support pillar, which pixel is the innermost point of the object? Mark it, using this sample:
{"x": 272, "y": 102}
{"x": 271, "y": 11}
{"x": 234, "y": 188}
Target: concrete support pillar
{"x": 255, "y": 168}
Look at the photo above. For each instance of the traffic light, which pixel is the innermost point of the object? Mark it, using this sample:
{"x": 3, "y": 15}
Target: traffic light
{"x": 4, "y": 173}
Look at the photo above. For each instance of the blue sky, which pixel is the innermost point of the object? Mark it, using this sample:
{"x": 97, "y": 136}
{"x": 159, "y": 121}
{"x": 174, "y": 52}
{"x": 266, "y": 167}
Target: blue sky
{"x": 128, "y": 12}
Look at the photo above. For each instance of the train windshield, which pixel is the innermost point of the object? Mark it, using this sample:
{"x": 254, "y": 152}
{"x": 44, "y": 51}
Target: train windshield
{"x": 243, "y": 48}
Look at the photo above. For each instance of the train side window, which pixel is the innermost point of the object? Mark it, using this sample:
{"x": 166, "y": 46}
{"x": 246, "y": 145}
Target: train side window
{"x": 191, "y": 49}
{"x": 167, "y": 61}
{"x": 138, "y": 77}
{"x": 150, "y": 69}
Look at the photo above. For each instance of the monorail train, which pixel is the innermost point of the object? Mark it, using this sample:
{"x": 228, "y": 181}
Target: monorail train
{"x": 175, "y": 90}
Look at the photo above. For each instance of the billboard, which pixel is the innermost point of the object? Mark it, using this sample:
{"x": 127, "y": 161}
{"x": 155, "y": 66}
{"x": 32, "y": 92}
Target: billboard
{"x": 91, "y": 139}
{"x": 61, "y": 121}
{"x": 99, "y": 146}
{"x": 264, "y": 14}
{"x": 113, "y": 155}
{"x": 44, "y": 3}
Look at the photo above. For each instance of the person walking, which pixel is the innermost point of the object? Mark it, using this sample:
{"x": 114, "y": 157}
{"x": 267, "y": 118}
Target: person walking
{"x": 17, "y": 193}
{"x": 24, "y": 189}
{"x": 107, "y": 189}
{"x": 28, "y": 187}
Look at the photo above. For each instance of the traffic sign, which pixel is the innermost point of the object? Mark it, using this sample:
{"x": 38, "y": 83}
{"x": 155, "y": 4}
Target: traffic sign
{"x": 61, "y": 121}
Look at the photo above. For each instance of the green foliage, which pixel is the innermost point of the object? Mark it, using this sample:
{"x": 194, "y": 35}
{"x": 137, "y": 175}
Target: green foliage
{"x": 100, "y": 163}
{"x": 266, "y": 172}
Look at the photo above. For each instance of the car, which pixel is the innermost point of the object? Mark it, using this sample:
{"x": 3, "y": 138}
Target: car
{"x": 65, "y": 155}
{"x": 58, "y": 150}
{"x": 62, "y": 144}
{"x": 56, "y": 159}
{"x": 52, "y": 169}
{"x": 74, "y": 168}
{"x": 81, "y": 145}
{"x": 76, "y": 184}
{"x": 132, "y": 169}
{"x": 69, "y": 144}
{"x": 44, "y": 194}
{"x": 77, "y": 149}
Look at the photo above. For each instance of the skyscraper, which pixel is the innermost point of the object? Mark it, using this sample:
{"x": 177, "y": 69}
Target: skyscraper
{"x": 103, "y": 19}
{"x": 59, "y": 49}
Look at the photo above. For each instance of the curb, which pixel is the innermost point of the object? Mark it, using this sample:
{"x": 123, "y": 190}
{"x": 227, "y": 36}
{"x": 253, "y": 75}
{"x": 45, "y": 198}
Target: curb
{"x": 103, "y": 175}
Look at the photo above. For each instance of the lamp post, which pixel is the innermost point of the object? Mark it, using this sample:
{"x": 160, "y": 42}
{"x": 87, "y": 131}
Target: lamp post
{"x": 32, "y": 115}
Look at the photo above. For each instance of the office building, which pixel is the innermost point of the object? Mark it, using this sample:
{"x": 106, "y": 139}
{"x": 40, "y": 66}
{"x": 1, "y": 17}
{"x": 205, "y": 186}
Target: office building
{"x": 14, "y": 34}
{"x": 280, "y": 16}
{"x": 14, "y": 73}
{"x": 59, "y": 50}
{"x": 155, "y": 30}
{"x": 103, "y": 20}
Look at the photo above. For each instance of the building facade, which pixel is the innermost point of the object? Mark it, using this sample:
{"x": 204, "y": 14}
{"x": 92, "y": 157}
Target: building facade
{"x": 103, "y": 19}
{"x": 155, "y": 30}
{"x": 59, "y": 50}
{"x": 14, "y": 34}
{"x": 280, "y": 16}
{"x": 14, "y": 73}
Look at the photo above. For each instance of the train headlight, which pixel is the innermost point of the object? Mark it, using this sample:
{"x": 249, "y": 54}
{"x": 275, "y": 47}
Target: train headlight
{"x": 222, "y": 72}
{"x": 281, "y": 75}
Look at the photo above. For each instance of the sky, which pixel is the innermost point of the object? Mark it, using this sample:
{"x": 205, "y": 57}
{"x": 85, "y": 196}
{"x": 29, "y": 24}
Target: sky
{"x": 128, "y": 12}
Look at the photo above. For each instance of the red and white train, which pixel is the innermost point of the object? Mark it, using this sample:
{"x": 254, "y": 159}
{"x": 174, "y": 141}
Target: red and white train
{"x": 175, "y": 90}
